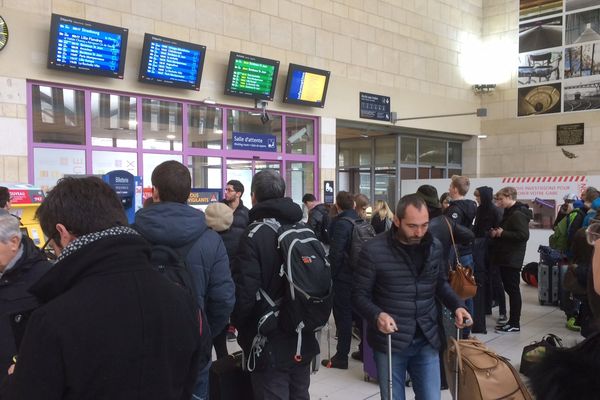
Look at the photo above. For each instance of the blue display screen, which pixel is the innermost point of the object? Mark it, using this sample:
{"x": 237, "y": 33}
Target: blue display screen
{"x": 87, "y": 47}
{"x": 171, "y": 62}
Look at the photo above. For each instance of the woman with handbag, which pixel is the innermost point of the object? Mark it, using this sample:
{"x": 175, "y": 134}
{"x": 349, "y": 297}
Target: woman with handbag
{"x": 509, "y": 244}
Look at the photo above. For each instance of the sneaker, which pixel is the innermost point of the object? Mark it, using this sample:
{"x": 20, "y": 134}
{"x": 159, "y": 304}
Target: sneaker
{"x": 571, "y": 325}
{"x": 502, "y": 320}
{"x": 507, "y": 328}
{"x": 335, "y": 363}
{"x": 357, "y": 355}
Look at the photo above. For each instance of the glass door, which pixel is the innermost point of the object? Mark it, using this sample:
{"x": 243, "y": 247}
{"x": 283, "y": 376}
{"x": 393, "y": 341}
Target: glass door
{"x": 244, "y": 170}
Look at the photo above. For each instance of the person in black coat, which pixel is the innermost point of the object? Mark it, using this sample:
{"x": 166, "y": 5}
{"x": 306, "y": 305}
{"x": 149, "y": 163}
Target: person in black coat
{"x": 21, "y": 265}
{"x": 110, "y": 326}
{"x": 233, "y": 198}
{"x": 318, "y": 217}
{"x": 276, "y": 374}
{"x": 399, "y": 276}
{"x": 509, "y": 242}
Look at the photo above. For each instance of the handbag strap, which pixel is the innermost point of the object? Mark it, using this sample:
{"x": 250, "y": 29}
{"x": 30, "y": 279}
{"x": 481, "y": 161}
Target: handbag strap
{"x": 452, "y": 237}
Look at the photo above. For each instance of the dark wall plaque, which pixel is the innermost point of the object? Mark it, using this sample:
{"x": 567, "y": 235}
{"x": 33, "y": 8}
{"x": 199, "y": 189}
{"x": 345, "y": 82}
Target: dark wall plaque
{"x": 374, "y": 106}
{"x": 569, "y": 134}
{"x": 328, "y": 191}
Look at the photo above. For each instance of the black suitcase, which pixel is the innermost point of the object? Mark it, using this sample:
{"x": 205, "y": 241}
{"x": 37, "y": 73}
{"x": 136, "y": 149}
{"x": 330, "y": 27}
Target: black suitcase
{"x": 227, "y": 379}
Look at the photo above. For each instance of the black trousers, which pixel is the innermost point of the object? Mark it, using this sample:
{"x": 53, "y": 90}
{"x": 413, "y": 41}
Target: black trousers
{"x": 511, "y": 278}
{"x": 342, "y": 314}
{"x": 220, "y": 344}
{"x": 281, "y": 384}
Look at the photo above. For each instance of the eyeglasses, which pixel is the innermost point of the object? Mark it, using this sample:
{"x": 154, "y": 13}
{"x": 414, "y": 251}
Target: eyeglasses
{"x": 592, "y": 233}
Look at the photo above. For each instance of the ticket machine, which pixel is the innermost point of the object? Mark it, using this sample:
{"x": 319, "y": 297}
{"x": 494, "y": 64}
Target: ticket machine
{"x": 129, "y": 190}
{"x": 25, "y": 200}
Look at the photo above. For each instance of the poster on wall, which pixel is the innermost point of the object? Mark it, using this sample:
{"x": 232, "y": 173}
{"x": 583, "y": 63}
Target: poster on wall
{"x": 572, "y": 5}
{"x": 581, "y": 95}
{"x": 556, "y": 76}
{"x": 529, "y": 9}
{"x": 542, "y": 34}
{"x": 582, "y": 27}
{"x": 542, "y": 99}
{"x": 539, "y": 67}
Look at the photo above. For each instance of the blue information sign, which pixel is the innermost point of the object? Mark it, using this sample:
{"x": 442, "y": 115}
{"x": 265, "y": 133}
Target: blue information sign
{"x": 252, "y": 141}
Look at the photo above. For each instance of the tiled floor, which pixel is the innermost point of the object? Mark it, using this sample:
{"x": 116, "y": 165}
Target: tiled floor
{"x": 536, "y": 321}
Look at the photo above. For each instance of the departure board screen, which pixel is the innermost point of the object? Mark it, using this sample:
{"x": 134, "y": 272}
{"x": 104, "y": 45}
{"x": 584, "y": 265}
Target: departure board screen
{"x": 250, "y": 76}
{"x": 77, "y": 45}
{"x": 171, "y": 62}
{"x": 306, "y": 86}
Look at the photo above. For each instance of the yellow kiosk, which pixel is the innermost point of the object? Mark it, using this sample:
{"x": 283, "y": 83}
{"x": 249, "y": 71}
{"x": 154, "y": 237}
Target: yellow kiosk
{"x": 25, "y": 200}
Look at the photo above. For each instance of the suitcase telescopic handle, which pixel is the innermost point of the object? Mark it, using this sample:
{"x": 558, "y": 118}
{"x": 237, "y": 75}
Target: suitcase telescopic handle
{"x": 389, "y": 377}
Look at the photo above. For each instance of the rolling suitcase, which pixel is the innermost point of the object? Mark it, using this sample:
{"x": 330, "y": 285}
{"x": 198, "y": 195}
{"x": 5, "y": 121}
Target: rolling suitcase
{"x": 548, "y": 284}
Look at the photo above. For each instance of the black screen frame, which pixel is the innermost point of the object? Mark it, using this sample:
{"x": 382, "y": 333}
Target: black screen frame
{"x": 148, "y": 39}
{"x": 229, "y": 78}
{"x": 288, "y": 84}
{"x": 52, "y": 63}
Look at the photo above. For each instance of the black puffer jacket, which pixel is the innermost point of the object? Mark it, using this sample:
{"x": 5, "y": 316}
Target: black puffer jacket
{"x": 509, "y": 249}
{"x": 15, "y": 298}
{"x": 387, "y": 281}
{"x": 240, "y": 216}
{"x": 257, "y": 265}
{"x": 110, "y": 327}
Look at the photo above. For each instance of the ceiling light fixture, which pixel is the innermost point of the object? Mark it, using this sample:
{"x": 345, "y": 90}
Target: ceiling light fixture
{"x": 209, "y": 100}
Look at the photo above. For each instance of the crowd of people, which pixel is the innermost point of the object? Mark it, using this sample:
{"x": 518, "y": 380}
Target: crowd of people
{"x": 101, "y": 322}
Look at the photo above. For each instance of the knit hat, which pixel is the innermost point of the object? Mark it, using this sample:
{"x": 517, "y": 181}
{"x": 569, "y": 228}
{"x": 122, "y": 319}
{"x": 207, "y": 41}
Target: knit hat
{"x": 219, "y": 216}
{"x": 430, "y": 195}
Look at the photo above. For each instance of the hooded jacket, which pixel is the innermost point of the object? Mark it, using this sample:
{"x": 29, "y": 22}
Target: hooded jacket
{"x": 110, "y": 327}
{"x": 509, "y": 248}
{"x": 488, "y": 215}
{"x": 15, "y": 298}
{"x": 176, "y": 225}
{"x": 257, "y": 265}
{"x": 463, "y": 212}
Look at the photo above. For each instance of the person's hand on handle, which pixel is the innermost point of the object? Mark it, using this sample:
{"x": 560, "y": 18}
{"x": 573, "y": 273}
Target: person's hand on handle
{"x": 386, "y": 324}
{"x": 462, "y": 318}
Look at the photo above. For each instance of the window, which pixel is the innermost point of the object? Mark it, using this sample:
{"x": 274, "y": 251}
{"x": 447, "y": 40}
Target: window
{"x": 354, "y": 153}
{"x": 248, "y": 126}
{"x": 432, "y": 152}
{"x": 58, "y": 115}
{"x": 299, "y": 179}
{"x": 300, "y": 133}
{"x": 408, "y": 150}
{"x": 385, "y": 151}
{"x": 205, "y": 127}
{"x": 114, "y": 121}
{"x": 162, "y": 125}
{"x": 206, "y": 171}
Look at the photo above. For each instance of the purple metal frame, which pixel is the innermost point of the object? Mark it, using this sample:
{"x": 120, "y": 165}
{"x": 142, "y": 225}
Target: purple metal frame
{"x": 224, "y": 154}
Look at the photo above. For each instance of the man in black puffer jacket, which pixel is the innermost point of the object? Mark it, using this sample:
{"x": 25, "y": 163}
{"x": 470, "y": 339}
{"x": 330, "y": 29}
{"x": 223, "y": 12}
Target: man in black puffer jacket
{"x": 399, "y": 276}
{"x": 21, "y": 265}
{"x": 276, "y": 375}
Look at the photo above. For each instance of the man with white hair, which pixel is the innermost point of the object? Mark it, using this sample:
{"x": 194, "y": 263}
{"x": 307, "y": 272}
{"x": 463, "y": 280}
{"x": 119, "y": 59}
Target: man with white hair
{"x": 21, "y": 265}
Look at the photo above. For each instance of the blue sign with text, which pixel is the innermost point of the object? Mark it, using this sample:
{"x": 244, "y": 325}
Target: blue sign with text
{"x": 255, "y": 142}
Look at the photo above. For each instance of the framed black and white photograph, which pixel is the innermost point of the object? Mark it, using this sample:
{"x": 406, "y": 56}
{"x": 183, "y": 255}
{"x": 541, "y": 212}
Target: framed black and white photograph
{"x": 536, "y": 100}
{"x": 582, "y": 94}
{"x": 582, "y": 27}
{"x": 539, "y": 67}
{"x": 542, "y": 34}
{"x": 572, "y": 5}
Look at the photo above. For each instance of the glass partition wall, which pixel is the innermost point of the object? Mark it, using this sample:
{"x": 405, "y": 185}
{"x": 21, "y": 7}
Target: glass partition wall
{"x": 374, "y": 163}
{"x": 91, "y": 131}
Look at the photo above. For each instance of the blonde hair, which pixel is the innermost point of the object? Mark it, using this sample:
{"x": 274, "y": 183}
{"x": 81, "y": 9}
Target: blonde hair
{"x": 383, "y": 209}
{"x": 461, "y": 183}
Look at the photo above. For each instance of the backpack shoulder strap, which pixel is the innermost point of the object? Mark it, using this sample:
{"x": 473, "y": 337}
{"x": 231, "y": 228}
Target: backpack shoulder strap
{"x": 351, "y": 220}
{"x": 270, "y": 222}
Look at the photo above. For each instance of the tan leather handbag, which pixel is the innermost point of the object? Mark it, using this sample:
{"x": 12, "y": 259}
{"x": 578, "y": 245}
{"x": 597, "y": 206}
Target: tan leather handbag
{"x": 461, "y": 278}
{"x": 482, "y": 374}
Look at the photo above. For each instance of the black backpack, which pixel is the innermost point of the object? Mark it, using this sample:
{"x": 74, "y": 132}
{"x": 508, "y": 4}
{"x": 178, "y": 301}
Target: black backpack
{"x": 362, "y": 231}
{"x": 308, "y": 298}
{"x": 170, "y": 263}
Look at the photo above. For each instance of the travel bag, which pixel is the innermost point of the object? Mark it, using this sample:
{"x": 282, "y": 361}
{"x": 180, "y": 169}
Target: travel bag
{"x": 228, "y": 380}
